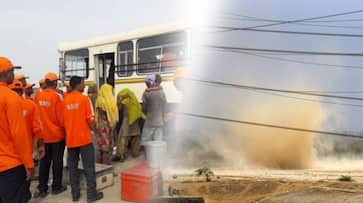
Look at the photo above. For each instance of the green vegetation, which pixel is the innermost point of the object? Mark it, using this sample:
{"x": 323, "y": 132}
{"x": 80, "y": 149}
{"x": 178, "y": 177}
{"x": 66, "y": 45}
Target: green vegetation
{"x": 345, "y": 178}
{"x": 205, "y": 171}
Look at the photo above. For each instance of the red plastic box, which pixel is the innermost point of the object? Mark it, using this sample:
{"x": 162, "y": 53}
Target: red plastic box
{"x": 140, "y": 183}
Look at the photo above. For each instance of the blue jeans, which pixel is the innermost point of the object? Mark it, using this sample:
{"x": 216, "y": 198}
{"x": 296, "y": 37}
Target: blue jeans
{"x": 151, "y": 134}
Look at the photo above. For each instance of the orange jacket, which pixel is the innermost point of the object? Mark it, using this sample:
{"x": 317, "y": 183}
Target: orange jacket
{"x": 14, "y": 138}
{"x": 32, "y": 118}
{"x": 77, "y": 116}
{"x": 50, "y": 106}
{"x": 65, "y": 94}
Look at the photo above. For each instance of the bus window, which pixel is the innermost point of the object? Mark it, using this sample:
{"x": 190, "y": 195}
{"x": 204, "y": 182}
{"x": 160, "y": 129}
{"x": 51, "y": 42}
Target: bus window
{"x": 172, "y": 58}
{"x": 163, "y": 53}
{"x": 125, "y": 59}
{"x": 76, "y": 63}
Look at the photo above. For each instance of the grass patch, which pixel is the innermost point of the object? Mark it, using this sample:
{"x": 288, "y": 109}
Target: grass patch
{"x": 345, "y": 178}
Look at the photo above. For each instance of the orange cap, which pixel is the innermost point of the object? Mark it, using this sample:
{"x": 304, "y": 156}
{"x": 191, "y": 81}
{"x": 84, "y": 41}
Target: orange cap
{"x": 179, "y": 73}
{"x": 28, "y": 85}
{"x": 19, "y": 76}
{"x": 6, "y": 65}
{"x": 16, "y": 85}
{"x": 51, "y": 76}
{"x": 42, "y": 81}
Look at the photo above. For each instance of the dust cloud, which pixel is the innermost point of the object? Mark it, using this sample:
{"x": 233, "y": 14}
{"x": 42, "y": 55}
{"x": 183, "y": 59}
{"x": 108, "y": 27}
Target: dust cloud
{"x": 243, "y": 146}
{"x": 277, "y": 148}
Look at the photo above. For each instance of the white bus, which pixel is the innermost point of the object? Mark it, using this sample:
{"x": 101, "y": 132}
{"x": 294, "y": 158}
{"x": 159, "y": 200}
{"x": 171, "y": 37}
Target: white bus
{"x": 126, "y": 58}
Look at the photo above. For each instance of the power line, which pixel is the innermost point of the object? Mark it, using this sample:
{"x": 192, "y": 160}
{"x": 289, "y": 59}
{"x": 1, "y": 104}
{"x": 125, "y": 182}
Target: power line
{"x": 339, "y": 92}
{"x": 330, "y": 91}
{"x": 299, "y": 20}
{"x": 184, "y": 60}
{"x": 311, "y": 100}
{"x": 283, "y": 51}
{"x": 303, "y": 99}
{"x": 250, "y": 18}
{"x": 297, "y": 61}
{"x": 275, "y": 90}
{"x": 288, "y": 32}
{"x": 312, "y": 21}
{"x": 339, "y": 20}
{"x": 270, "y": 125}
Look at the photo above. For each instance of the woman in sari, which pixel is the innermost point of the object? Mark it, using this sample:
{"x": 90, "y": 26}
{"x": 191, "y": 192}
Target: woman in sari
{"x": 130, "y": 133}
{"x": 106, "y": 117}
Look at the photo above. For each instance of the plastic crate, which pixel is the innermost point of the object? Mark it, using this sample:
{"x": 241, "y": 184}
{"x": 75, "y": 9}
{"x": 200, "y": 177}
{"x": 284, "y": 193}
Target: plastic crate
{"x": 140, "y": 183}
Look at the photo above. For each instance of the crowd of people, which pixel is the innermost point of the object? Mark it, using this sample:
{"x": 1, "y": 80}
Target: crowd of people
{"x": 36, "y": 127}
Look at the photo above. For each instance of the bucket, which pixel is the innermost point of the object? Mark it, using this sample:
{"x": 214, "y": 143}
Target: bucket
{"x": 155, "y": 154}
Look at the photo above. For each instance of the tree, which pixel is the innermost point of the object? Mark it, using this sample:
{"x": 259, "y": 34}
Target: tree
{"x": 205, "y": 171}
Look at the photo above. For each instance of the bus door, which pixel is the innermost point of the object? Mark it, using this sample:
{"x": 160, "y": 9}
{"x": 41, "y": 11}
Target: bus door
{"x": 106, "y": 69}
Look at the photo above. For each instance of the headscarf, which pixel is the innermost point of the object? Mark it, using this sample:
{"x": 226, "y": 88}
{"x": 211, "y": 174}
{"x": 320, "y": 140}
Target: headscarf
{"x": 134, "y": 110}
{"x": 150, "y": 79}
{"x": 106, "y": 101}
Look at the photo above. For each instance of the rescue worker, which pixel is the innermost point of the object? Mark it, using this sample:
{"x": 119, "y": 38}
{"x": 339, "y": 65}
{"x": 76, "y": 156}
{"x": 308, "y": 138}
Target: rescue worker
{"x": 28, "y": 91}
{"x": 42, "y": 84}
{"x": 41, "y": 87}
{"x": 68, "y": 88}
{"x": 21, "y": 77}
{"x": 16, "y": 163}
{"x": 178, "y": 78}
{"x": 50, "y": 105}
{"x": 32, "y": 119}
{"x": 79, "y": 121}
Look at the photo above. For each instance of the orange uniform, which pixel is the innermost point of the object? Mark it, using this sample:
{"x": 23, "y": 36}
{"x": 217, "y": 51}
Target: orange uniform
{"x": 32, "y": 118}
{"x": 66, "y": 94}
{"x": 77, "y": 116}
{"x": 51, "y": 115}
{"x": 15, "y": 148}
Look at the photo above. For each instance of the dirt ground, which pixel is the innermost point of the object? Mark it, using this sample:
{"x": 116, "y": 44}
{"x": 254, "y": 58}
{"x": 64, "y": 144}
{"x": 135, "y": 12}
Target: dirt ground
{"x": 264, "y": 190}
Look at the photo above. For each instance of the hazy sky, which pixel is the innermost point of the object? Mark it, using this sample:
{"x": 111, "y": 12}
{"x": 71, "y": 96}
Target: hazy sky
{"x": 31, "y": 30}
{"x": 255, "y": 71}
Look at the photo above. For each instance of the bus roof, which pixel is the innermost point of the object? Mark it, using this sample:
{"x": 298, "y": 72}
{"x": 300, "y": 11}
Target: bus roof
{"x": 124, "y": 36}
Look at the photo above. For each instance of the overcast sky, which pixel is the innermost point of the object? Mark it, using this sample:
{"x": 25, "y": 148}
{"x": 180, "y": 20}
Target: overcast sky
{"x": 256, "y": 71}
{"x": 31, "y": 31}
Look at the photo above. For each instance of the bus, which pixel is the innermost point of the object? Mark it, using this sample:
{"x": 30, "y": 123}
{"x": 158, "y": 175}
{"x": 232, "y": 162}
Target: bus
{"x": 125, "y": 59}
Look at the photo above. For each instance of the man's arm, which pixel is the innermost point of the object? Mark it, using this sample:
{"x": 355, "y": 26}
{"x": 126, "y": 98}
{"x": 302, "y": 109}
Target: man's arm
{"x": 20, "y": 135}
{"x": 90, "y": 117}
{"x": 144, "y": 103}
{"x": 38, "y": 132}
{"x": 59, "y": 110}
